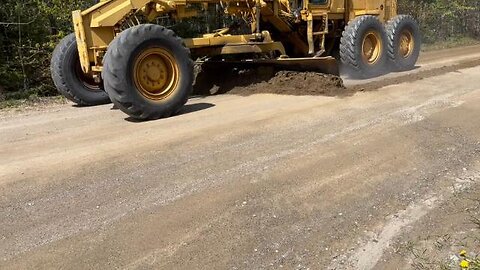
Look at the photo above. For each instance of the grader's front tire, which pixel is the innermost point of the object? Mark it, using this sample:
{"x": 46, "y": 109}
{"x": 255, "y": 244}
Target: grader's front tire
{"x": 148, "y": 72}
{"x": 363, "y": 47}
{"x": 404, "y": 42}
{"x": 69, "y": 79}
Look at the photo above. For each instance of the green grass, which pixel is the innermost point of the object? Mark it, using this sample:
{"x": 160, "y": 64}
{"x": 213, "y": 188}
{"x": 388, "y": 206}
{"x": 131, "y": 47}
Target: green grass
{"x": 474, "y": 263}
{"x": 12, "y": 103}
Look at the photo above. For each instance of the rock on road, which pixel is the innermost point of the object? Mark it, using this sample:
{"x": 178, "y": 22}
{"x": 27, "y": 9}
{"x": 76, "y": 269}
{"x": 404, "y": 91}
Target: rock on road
{"x": 256, "y": 182}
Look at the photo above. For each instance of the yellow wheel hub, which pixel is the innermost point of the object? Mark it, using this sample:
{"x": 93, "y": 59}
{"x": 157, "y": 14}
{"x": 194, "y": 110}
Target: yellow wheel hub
{"x": 407, "y": 44}
{"x": 372, "y": 47}
{"x": 155, "y": 73}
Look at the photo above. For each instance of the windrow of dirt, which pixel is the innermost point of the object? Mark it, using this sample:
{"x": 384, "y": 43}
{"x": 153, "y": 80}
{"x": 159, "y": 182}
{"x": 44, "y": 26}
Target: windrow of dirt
{"x": 414, "y": 76}
{"x": 267, "y": 80}
{"x": 244, "y": 82}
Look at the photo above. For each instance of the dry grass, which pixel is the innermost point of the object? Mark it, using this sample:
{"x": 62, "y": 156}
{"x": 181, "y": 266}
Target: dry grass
{"x": 451, "y": 43}
{"x": 31, "y": 102}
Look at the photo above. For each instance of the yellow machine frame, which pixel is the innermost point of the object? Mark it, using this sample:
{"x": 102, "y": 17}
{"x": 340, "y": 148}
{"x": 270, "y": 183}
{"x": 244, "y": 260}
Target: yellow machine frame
{"x": 97, "y": 26}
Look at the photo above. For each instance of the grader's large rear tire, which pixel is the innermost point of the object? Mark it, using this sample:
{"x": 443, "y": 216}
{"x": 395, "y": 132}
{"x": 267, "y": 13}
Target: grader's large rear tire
{"x": 69, "y": 78}
{"x": 404, "y": 42}
{"x": 363, "y": 47}
{"x": 147, "y": 72}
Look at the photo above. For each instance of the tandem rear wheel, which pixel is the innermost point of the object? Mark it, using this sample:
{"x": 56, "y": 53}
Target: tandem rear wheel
{"x": 368, "y": 49}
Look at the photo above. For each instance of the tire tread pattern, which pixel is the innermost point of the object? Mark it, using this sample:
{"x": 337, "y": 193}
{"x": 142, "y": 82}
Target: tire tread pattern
{"x": 58, "y": 76}
{"x": 348, "y": 45}
{"x": 116, "y": 84}
{"x": 392, "y": 28}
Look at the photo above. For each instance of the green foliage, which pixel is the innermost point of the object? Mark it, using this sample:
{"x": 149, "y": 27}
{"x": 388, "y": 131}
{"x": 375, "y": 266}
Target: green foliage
{"x": 442, "y": 20}
{"x": 30, "y": 29}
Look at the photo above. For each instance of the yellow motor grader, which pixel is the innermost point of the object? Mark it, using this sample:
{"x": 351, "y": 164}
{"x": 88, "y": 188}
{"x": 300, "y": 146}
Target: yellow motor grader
{"x": 123, "y": 52}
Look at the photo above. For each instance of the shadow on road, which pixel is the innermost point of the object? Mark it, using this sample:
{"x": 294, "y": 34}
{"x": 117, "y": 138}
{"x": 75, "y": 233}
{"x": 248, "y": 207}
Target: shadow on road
{"x": 188, "y": 108}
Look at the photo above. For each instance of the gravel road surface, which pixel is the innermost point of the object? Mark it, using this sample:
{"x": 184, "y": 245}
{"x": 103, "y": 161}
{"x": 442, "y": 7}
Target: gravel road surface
{"x": 367, "y": 180}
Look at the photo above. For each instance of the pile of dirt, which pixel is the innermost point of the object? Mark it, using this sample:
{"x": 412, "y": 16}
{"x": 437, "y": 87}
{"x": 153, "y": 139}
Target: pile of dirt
{"x": 246, "y": 82}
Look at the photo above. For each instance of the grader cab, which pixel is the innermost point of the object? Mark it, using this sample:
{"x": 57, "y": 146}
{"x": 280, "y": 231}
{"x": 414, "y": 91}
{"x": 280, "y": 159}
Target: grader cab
{"x": 121, "y": 52}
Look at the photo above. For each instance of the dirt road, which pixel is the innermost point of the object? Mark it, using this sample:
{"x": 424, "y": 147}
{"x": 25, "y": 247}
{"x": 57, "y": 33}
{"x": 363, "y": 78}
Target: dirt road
{"x": 360, "y": 181}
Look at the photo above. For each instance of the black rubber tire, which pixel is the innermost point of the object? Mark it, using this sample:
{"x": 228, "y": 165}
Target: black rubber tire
{"x": 394, "y": 28}
{"x": 351, "y": 48}
{"x": 67, "y": 75}
{"x": 118, "y": 71}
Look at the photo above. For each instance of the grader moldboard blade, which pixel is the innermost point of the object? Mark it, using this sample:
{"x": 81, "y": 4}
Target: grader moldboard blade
{"x": 326, "y": 65}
